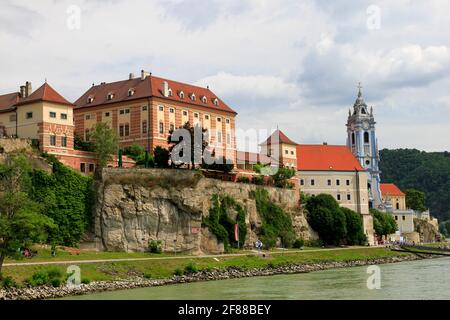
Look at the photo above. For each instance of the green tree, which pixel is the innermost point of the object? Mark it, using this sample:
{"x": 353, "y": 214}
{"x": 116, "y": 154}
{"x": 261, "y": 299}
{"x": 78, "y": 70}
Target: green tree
{"x": 281, "y": 177}
{"x": 415, "y": 200}
{"x": 21, "y": 222}
{"x": 354, "y": 226}
{"x": 161, "y": 157}
{"x": 383, "y": 222}
{"x": 134, "y": 151}
{"x": 106, "y": 143}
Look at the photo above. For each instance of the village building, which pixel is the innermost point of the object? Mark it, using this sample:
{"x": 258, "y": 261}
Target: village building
{"x": 144, "y": 110}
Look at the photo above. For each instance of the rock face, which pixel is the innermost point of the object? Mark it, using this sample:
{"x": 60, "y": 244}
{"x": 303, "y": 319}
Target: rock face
{"x": 135, "y": 206}
{"x": 428, "y": 231}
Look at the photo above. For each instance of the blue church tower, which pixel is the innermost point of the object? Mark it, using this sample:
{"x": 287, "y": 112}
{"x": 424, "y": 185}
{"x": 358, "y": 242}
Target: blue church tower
{"x": 362, "y": 140}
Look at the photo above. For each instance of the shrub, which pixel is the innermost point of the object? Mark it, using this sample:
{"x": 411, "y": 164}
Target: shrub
{"x": 56, "y": 282}
{"x": 50, "y": 276}
{"x": 147, "y": 275}
{"x": 190, "y": 268}
{"x": 161, "y": 157}
{"x": 314, "y": 243}
{"x": 258, "y": 180}
{"x": 178, "y": 272}
{"x": 243, "y": 179}
{"x": 85, "y": 280}
{"x": 354, "y": 226}
{"x": 7, "y": 282}
{"x": 134, "y": 151}
{"x": 298, "y": 243}
{"x": 155, "y": 246}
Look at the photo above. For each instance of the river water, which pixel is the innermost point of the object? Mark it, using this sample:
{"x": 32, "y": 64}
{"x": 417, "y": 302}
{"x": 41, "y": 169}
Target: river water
{"x": 423, "y": 279}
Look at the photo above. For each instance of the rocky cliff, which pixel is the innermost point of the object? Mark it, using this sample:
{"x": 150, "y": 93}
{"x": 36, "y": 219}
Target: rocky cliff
{"x": 135, "y": 206}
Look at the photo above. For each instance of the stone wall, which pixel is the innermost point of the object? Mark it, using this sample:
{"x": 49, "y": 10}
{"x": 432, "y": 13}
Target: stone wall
{"x": 138, "y": 205}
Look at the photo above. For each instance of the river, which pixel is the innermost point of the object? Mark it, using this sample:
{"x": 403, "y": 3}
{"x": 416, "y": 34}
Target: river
{"x": 423, "y": 279}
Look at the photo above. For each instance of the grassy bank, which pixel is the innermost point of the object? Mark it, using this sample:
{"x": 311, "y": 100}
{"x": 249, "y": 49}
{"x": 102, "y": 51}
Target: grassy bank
{"x": 166, "y": 267}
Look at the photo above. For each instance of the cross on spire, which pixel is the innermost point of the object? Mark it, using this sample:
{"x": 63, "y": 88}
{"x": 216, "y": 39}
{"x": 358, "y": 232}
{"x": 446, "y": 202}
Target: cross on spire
{"x": 359, "y": 89}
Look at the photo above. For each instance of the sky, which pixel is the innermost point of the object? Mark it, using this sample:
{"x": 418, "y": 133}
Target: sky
{"x": 288, "y": 64}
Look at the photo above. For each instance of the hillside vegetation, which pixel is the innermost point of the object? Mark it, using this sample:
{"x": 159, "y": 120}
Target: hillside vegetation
{"x": 425, "y": 171}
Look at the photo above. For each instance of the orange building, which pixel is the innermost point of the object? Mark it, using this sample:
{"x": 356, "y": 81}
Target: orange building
{"x": 144, "y": 110}
{"x": 391, "y": 194}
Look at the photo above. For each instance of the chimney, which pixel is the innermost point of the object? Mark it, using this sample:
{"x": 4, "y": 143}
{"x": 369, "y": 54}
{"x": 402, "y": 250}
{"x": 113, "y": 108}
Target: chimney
{"x": 144, "y": 74}
{"x": 28, "y": 88}
{"x": 325, "y": 143}
{"x": 22, "y": 91}
{"x": 165, "y": 89}
{"x": 131, "y": 76}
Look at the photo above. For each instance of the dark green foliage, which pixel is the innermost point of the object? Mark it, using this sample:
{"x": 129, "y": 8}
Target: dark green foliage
{"x": 134, "y": 151}
{"x": 190, "y": 268}
{"x": 161, "y": 157}
{"x": 7, "y": 282}
{"x": 106, "y": 143}
{"x": 67, "y": 197}
{"x": 219, "y": 164}
{"x": 80, "y": 144}
{"x": 49, "y": 276}
{"x": 276, "y": 224}
{"x": 178, "y": 272}
{"x": 298, "y": 243}
{"x": 444, "y": 228}
{"x": 281, "y": 178}
{"x": 85, "y": 280}
{"x": 335, "y": 225}
{"x": 354, "y": 226}
{"x": 258, "y": 180}
{"x": 155, "y": 246}
{"x": 220, "y": 223}
{"x": 383, "y": 222}
{"x": 243, "y": 179}
{"x": 428, "y": 172}
{"x": 415, "y": 200}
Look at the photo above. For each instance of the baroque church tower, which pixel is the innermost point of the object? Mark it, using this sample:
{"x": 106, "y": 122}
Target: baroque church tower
{"x": 362, "y": 140}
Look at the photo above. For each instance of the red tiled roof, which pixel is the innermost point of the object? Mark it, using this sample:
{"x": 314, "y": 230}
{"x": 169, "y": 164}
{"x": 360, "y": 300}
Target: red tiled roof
{"x": 282, "y": 138}
{"x": 151, "y": 86}
{"x": 9, "y": 100}
{"x": 45, "y": 93}
{"x": 253, "y": 158}
{"x": 326, "y": 158}
{"x": 391, "y": 189}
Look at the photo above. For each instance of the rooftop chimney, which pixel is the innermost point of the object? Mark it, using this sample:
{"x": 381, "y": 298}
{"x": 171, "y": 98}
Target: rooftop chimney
{"x": 28, "y": 88}
{"x": 22, "y": 91}
{"x": 131, "y": 76}
{"x": 165, "y": 89}
{"x": 325, "y": 143}
{"x": 144, "y": 74}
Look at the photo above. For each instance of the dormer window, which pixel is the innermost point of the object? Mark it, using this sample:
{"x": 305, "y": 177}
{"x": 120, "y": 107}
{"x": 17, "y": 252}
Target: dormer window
{"x": 193, "y": 97}
{"x": 90, "y": 99}
{"x": 216, "y": 101}
{"x": 169, "y": 92}
{"x": 130, "y": 92}
{"x": 181, "y": 94}
{"x": 110, "y": 96}
{"x": 204, "y": 99}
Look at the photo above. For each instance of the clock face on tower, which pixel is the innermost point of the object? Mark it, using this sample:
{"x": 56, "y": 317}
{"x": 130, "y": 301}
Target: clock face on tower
{"x": 365, "y": 125}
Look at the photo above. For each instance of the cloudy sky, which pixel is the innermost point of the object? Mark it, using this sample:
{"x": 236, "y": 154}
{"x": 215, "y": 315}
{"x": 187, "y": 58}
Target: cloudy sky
{"x": 295, "y": 64}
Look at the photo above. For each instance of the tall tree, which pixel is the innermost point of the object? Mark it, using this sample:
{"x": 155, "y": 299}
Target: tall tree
{"x": 383, "y": 222}
{"x": 21, "y": 222}
{"x": 106, "y": 143}
{"x": 415, "y": 200}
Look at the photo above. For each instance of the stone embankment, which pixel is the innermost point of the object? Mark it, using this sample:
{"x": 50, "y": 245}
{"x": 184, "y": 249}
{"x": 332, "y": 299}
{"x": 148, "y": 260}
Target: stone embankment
{"x": 47, "y": 292}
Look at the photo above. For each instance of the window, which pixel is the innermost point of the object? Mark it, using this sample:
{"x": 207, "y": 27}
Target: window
{"x": 353, "y": 138}
{"x": 227, "y": 121}
{"x": 338, "y": 182}
{"x": 172, "y": 127}
{"x": 86, "y": 134}
{"x": 219, "y": 136}
{"x": 347, "y": 182}
{"x": 338, "y": 197}
{"x": 367, "y": 162}
{"x": 110, "y": 96}
{"x": 181, "y": 94}
{"x": 219, "y": 119}
{"x": 29, "y": 115}
{"x": 161, "y": 127}
{"x": 127, "y": 111}
{"x": 302, "y": 182}
{"x": 161, "y": 108}
{"x": 122, "y": 111}
{"x": 228, "y": 138}
{"x": 193, "y": 98}
{"x": 88, "y": 117}
{"x": 144, "y": 126}
{"x": 215, "y": 101}
{"x": 366, "y": 137}
{"x": 127, "y": 129}
{"x": 121, "y": 130}
{"x": 107, "y": 114}
{"x": 292, "y": 152}
{"x": 313, "y": 182}
{"x": 12, "y": 118}
{"x": 83, "y": 167}
{"x": 144, "y": 108}
{"x": 52, "y": 140}
{"x": 396, "y": 218}
{"x": 185, "y": 113}
{"x": 90, "y": 99}
{"x": 349, "y": 197}
{"x": 52, "y": 114}
{"x": 206, "y": 117}
{"x": 397, "y": 206}
{"x": 329, "y": 182}
{"x": 172, "y": 110}
{"x": 286, "y": 151}
{"x": 63, "y": 116}
{"x": 91, "y": 167}
{"x": 195, "y": 115}
{"x": 403, "y": 218}
{"x": 130, "y": 92}
{"x": 204, "y": 99}
{"x": 63, "y": 141}
{"x": 170, "y": 92}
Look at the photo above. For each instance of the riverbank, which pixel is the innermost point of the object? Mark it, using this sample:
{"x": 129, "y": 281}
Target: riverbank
{"x": 288, "y": 263}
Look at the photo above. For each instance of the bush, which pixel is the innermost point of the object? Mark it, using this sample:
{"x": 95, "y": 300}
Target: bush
{"x": 243, "y": 180}
{"x": 85, "y": 280}
{"x": 190, "y": 268}
{"x": 298, "y": 243}
{"x": 178, "y": 272}
{"x": 51, "y": 276}
{"x": 155, "y": 246}
{"x": 134, "y": 151}
{"x": 147, "y": 275}
{"x": 7, "y": 282}
{"x": 258, "y": 180}
{"x": 314, "y": 243}
{"x": 161, "y": 157}
{"x": 354, "y": 225}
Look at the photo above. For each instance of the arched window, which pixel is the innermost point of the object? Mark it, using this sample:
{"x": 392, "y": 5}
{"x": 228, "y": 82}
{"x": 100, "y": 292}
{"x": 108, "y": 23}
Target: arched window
{"x": 366, "y": 137}
{"x": 353, "y": 138}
